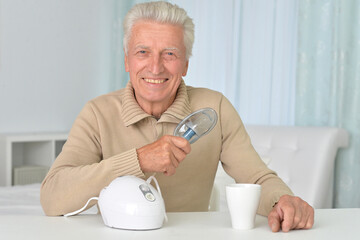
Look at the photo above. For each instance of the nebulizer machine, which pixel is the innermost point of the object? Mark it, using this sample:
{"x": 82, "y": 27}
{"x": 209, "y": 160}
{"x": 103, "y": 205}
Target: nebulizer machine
{"x": 132, "y": 203}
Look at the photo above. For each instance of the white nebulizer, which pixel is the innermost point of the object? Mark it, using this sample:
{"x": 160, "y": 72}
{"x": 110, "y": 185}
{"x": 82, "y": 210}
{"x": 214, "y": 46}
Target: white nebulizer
{"x": 130, "y": 203}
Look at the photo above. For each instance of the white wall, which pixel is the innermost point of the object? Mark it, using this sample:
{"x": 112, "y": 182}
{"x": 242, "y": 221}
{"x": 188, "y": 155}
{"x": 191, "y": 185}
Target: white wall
{"x": 52, "y": 60}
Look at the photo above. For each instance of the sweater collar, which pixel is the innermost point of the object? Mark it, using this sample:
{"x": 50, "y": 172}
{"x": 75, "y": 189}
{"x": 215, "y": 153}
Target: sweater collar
{"x": 133, "y": 113}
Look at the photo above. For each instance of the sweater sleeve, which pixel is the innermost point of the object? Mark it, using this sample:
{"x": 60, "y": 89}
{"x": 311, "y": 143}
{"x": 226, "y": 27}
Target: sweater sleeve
{"x": 80, "y": 172}
{"x": 241, "y": 161}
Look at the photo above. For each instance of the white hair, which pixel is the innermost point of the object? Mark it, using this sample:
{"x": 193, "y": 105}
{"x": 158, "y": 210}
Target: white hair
{"x": 162, "y": 12}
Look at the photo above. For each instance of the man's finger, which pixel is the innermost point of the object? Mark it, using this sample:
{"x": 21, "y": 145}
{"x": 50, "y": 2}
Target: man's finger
{"x": 274, "y": 221}
{"x": 288, "y": 221}
{"x": 178, "y": 154}
{"x": 310, "y": 219}
{"x": 181, "y": 143}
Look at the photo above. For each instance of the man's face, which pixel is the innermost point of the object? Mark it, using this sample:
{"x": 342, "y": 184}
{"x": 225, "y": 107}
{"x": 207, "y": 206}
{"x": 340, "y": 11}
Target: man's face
{"x": 156, "y": 62}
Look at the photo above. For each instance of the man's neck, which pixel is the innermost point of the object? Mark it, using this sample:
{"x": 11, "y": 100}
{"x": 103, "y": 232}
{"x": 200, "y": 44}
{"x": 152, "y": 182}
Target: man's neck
{"x": 155, "y": 109}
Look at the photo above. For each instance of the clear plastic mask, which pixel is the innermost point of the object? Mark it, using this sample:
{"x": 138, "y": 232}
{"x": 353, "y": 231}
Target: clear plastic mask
{"x": 197, "y": 124}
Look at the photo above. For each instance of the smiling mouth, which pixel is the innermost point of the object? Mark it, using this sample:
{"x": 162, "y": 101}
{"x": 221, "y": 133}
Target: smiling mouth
{"x": 156, "y": 81}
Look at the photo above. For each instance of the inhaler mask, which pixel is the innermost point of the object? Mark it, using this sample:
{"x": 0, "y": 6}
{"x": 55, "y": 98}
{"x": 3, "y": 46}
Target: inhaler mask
{"x": 196, "y": 125}
{"x": 130, "y": 203}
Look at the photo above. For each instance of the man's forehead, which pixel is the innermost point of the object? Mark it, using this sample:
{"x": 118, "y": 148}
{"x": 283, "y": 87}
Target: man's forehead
{"x": 159, "y": 36}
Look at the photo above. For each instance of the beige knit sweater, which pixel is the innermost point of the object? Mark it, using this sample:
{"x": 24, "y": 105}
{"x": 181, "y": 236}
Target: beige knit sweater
{"x": 102, "y": 146}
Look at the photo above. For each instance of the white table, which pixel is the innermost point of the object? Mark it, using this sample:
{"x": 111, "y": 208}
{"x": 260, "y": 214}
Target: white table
{"x": 329, "y": 224}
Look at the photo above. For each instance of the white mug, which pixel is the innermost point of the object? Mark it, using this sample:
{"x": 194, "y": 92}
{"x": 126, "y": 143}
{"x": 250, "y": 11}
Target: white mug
{"x": 243, "y": 201}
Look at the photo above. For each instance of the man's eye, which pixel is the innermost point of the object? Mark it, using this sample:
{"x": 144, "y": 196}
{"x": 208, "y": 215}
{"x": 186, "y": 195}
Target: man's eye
{"x": 169, "y": 56}
{"x": 142, "y": 52}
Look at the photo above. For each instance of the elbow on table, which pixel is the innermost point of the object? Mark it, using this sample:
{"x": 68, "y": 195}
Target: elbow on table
{"x": 49, "y": 201}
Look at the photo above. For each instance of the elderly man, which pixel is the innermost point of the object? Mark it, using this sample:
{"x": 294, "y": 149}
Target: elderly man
{"x": 129, "y": 132}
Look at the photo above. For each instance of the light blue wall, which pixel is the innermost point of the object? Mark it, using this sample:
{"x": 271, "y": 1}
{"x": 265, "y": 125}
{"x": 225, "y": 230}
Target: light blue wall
{"x": 54, "y": 56}
{"x": 328, "y": 82}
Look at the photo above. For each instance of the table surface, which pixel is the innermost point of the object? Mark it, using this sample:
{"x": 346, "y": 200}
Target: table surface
{"x": 329, "y": 224}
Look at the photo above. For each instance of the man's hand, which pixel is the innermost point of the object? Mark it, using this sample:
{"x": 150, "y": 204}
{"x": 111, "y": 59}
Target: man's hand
{"x": 291, "y": 213}
{"x": 164, "y": 155}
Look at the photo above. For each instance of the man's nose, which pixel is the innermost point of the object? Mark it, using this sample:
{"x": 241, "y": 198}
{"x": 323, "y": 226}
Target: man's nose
{"x": 156, "y": 65}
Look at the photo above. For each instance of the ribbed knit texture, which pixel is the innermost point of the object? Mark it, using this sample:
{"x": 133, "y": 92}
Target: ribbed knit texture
{"x": 124, "y": 164}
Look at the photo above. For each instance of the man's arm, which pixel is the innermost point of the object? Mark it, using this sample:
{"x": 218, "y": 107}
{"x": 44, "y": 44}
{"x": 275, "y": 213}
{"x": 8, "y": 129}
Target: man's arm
{"x": 80, "y": 172}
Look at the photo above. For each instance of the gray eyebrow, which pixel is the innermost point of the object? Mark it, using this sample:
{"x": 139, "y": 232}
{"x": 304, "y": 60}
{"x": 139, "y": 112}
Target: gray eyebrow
{"x": 165, "y": 49}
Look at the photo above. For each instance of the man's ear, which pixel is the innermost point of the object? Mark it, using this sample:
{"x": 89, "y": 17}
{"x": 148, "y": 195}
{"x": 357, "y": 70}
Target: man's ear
{"x": 186, "y": 68}
{"x": 126, "y": 62}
